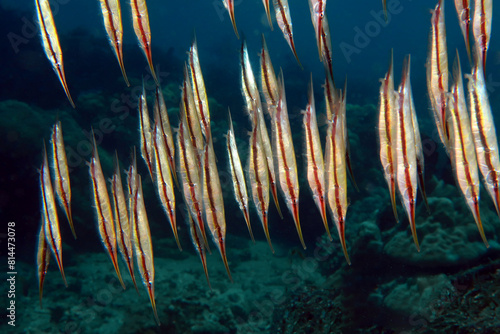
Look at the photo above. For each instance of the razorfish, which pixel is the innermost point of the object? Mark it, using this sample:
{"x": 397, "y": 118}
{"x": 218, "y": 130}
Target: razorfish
{"x": 49, "y": 215}
{"x": 314, "y": 155}
{"x": 111, "y": 13}
{"x": 462, "y": 151}
{"x": 287, "y": 165}
{"x": 140, "y": 20}
{"x": 254, "y": 108}
{"x": 122, "y": 222}
{"x": 229, "y": 4}
{"x": 335, "y": 165}
{"x": 406, "y": 151}
{"x": 42, "y": 260}
{"x": 326, "y": 48}
{"x": 258, "y": 177}
{"x": 268, "y": 13}
{"x": 198, "y": 89}
{"x": 213, "y": 202}
{"x": 317, "y": 9}
{"x": 199, "y": 246}
{"x": 61, "y": 173}
{"x": 160, "y": 110}
{"x": 268, "y": 80}
{"x": 437, "y": 71}
{"x": 142, "y": 244}
{"x": 387, "y": 132}
{"x": 50, "y": 41}
{"x": 239, "y": 184}
{"x": 418, "y": 149}
{"x": 481, "y": 28}
{"x": 282, "y": 12}
{"x": 191, "y": 116}
{"x": 146, "y": 141}
{"x": 190, "y": 176}
{"x": 163, "y": 178}
{"x": 103, "y": 209}
{"x": 483, "y": 130}
{"x": 332, "y": 98}
{"x": 463, "y": 12}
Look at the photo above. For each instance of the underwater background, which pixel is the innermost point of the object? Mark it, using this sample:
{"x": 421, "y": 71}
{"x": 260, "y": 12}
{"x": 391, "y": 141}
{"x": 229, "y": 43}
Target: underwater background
{"x": 451, "y": 286}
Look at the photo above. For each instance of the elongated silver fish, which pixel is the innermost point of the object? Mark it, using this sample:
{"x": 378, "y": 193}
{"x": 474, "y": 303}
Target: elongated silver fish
{"x": 199, "y": 91}
{"x": 49, "y": 215}
{"x": 387, "y": 127}
{"x": 42, "y": 259}
{"x": 61, "y": 173}
{"x": 239, "y": 184}
{"x": 50, "y": 41}
{"x": 481, "y": 28}
{"x": 145, "y": 135}
{"x": 103, "y": 210}
{"x": 462, "y": 151}
{"x": 284, "y": 19}
{"x": 314, "y": 155}
{"x": 122, "y": 222}
{"x": 111, "y": 13}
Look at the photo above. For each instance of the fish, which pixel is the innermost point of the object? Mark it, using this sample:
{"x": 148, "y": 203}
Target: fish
{"x": 481, "y": 28}
{"x": 112, "y": 16}
{"x": 191, "y": 116}
{"x": 463, "y": 12}
{"x": 49, "y": 215}
{"x": 42, "y": 260}
{"x": 190, "y": 175}
{"x": 318, "y": 12}
{"x": 335, "y": 166}
{"x": 199, "y": 246}
{"x": 50, "y": 41}
{"x": 326, "y": 47}
{"x": 254, "y": 109}
{"x": 484, "y": 133}
{"x": 282, "y": 12}
{"x": 268, "y": 81}
{"x": 143, "y": 246}
{"x": 462, "y": 151}
{"x": 163, "y": 179}
{"x": 145, "y": 136}
{"x": 198, "y": 89}
{"x": 387, "y": 132}
{"x": 229, "y": 4}
{"x": 268, "y": 13}
{"x": 437, "y": 71}
{"x": 122, "y": 222}
{"x": 287, "y": 165}
{"x": 258, "y": 178}
{"x": 213, "y": 202}
{"x": 314, "y": 155}
{"x": 160, "y": 111}
{"x": 384, "y": 6}
{"x": 239, "y": 184}
{"x": 103, "y": 209}
{"x": 61, "y": 173}
{"x": 418, "y": 149}
{"x": 142, "y": 30}
{"x": 406, "y": 171}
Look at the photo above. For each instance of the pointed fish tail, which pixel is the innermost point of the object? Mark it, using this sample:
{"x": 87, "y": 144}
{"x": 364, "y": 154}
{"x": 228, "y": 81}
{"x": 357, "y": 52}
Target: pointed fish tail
{"x": 292, "y": 45}
{"x": 393, "y": 201}
{"x": 247, "y": 220}
{"x": 341, "y": 229}
{"x": 114, "y": 259}
{"x": 296, "y": 219}
{"x": 119, "y": 55}
{"x": 224, "y": 258}
{"x": 130, "y": 266}
{"x": 61, "y": 269}
{"x": 174, "y": 229}
{"x": 70, "y": 220}
{"x": 266, "y": 231}
{"x": 268, "y": 14}
{"x": 325, "y": 220}
{"x": 151, "y": 294}
{"x": 65, "y": 86}
{"x": 274, "y": 191}
{"x": 149, "y": 57}
{"x": 413, "y": 227}
{"x": 477, "y": 218}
